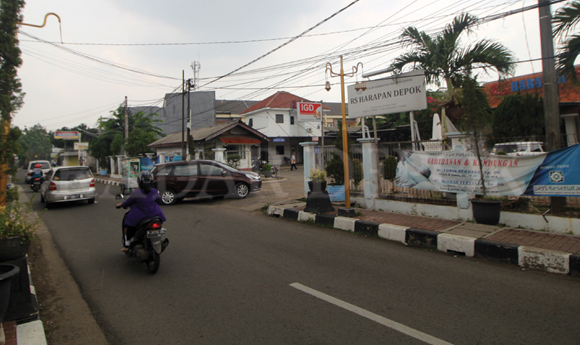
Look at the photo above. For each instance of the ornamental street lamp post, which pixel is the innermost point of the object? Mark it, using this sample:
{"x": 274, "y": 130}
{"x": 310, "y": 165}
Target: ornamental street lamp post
{"x": 344, "y": 131}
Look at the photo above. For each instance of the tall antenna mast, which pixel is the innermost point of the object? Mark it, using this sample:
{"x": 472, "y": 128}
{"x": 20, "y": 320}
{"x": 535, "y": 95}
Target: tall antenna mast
{"x": 196, "y": 66}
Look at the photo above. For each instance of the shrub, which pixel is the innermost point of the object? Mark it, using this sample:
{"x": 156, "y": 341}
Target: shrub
{"x": 267, "y": 167}
{"x": 18, "y": 220}
{"x": 335, "y": 170}
{"x": 357, "y": 172}
{"x": 390, "y": 168}
{"x": 317, "y": 175}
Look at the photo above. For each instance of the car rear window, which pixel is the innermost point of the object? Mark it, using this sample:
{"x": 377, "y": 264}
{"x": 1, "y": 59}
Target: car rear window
{"x": 72, "y": 174}
{"x": 43, "y": 165}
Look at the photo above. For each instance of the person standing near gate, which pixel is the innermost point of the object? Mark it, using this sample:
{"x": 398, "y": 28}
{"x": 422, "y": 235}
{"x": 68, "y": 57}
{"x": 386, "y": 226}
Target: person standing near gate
{"x": 293, "y": 162}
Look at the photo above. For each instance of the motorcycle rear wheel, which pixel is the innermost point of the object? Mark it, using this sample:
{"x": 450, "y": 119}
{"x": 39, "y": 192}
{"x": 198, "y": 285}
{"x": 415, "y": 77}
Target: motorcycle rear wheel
{"x": 153, "y": 264}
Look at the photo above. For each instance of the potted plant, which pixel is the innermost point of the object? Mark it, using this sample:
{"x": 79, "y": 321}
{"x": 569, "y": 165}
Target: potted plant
{"x": 318, "y": 200}
{"x": 317, "y": 181}
{"x": 267, "y": 169}
{"x": 17, "y": 227}
{"x": 476, "y": 119}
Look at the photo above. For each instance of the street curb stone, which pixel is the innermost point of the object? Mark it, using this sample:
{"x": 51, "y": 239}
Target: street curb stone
{"x": 366, "y": 226}
{"x": 291, "y": 213}
{"x": 575, "y": 265}
{"x": 421, "y": 238}
{"x": 504, "y": 252}
{"x": 325, "y": 219}
{"x": 525, "y": 257}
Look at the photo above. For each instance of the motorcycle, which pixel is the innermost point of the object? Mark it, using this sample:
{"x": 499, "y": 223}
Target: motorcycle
{"x": 147, "y": 244}
{"x": 258, "y": 167}
{"x": 35, "y": 183}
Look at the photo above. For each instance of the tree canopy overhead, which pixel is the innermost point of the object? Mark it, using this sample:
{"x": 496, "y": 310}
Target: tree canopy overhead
{"x": 565, "y": 21}
{"x": 444, "y": 58}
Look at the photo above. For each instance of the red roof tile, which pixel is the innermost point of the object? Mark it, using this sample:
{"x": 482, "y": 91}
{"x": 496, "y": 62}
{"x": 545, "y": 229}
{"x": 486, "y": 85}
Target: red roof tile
{"x": 279, "y": 100}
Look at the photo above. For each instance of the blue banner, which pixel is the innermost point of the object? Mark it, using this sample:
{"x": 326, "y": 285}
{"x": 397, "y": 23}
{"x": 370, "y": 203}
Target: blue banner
{"x": 558, "y": 175}
{"x": 146, "y": 164}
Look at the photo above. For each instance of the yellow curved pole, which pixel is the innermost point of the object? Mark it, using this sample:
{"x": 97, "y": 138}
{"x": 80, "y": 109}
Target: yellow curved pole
{"x": 43, "y": 24}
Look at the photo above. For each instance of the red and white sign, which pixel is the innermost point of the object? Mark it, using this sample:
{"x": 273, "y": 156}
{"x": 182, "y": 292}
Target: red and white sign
{"x": 309, "y": 112}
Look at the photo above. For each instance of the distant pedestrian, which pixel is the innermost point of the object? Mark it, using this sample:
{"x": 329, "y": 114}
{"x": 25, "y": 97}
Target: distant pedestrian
{"x": 293, "y": 162}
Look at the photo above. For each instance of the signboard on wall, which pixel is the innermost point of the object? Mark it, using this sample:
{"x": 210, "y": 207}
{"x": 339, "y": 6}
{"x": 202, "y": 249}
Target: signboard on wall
{"x": 81, "y": 146}
{"x": 309, "y": 111}
{"x": 405, "y": 92}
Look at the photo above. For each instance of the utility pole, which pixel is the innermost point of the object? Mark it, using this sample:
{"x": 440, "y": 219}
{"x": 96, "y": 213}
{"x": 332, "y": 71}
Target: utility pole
{"x": 126, "y": 121}
{"x": 190, "y": 84}
{"x": 183, "y": 114}
{"x": 551, "y": 98}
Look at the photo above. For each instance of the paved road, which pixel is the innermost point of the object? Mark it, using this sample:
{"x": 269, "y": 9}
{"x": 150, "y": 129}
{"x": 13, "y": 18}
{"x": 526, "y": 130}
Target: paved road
{"x": 234, "y": 277}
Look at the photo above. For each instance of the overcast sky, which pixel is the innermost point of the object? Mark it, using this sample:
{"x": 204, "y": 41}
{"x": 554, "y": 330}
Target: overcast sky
{"x": 139, "y": 48}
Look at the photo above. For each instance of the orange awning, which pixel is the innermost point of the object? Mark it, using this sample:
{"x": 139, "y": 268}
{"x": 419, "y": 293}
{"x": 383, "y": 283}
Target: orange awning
{"x": 239, "y": 139}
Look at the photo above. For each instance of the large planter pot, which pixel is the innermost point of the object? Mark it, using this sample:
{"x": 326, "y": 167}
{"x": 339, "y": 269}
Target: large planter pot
{"x": 6, "y": 273}
{"x": 486, "y": 211}
{"x": 12, "y": 248}
{"x": 317, "y": 186}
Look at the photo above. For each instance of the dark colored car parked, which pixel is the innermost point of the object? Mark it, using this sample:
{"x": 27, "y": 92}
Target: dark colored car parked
{"x": 178, "y": 180}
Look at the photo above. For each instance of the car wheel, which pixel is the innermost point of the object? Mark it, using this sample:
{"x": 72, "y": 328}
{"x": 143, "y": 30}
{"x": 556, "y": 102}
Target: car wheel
{"x": 47, "y": 204}
{"x": 168, "y": 197}
{"x": 41, "y": 198}
{"x": 91, "y": 201}
{"x": 242, "y": 190}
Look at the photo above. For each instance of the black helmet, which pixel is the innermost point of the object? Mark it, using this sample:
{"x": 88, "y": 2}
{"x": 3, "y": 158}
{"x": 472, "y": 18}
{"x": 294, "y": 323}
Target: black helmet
{"x": 145, "y": 179}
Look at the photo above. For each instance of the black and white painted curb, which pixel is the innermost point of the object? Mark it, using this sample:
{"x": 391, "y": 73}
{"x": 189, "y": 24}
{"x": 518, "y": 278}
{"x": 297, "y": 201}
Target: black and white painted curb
{"x": 523, "y": 256}
{"x": 109, "y": 182}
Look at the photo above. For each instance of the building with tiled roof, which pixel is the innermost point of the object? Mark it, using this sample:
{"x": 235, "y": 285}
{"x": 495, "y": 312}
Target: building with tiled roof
{"x": 569, "y": 94}
{"x": 234, "y": 136}
{"x": 277, "y": 117}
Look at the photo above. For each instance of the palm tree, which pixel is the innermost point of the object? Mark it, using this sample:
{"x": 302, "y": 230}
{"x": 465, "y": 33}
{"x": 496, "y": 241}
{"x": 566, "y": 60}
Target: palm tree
{"x": 443, "y": 58}
{"x": 565, "y": 19}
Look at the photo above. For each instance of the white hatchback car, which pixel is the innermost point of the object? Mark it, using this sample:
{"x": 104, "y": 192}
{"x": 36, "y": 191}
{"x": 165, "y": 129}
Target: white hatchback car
{"x": 521, "y": 148}
{"x": 65, "y": 184}
{"x": 44, "y": 165}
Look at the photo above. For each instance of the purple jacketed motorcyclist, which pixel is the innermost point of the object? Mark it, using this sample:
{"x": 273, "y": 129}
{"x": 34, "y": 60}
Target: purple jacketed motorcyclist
{"x": 144, "y": 203}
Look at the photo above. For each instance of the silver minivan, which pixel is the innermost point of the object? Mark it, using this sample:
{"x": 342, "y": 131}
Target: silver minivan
{"x": 65, "y": 184}
{"x": 520, "y": 148}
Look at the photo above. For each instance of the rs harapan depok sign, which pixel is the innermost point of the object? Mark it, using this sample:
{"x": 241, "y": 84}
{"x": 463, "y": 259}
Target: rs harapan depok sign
{"x": 67, "y": 135}
{"x": 405, "y": 92}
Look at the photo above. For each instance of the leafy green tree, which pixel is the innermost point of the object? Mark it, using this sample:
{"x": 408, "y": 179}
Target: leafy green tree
{"x": 35, "y": 144}
{"x": 518, "y": 115}
{"x": 442, "y": 56}
{"x": 111, "y": 140}
{"x": 565, "y": 20}
{"x": 476, "y": 118}
{"x": 11, "y": 96}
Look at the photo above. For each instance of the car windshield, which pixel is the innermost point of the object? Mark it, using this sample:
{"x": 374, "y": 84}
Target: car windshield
{"x": 72, "y": 174}
{"x": 507, "y": 148}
